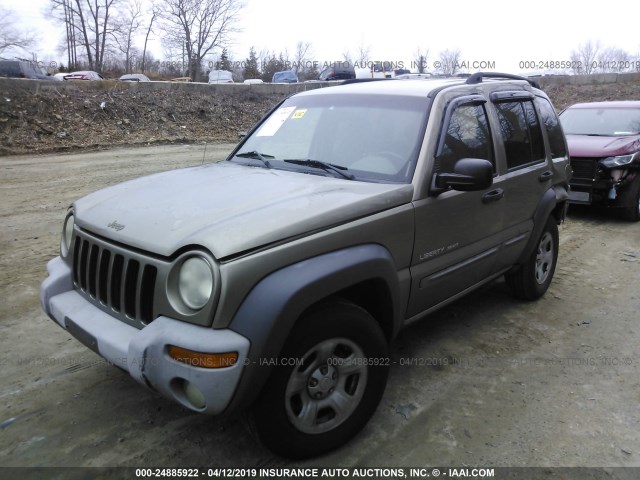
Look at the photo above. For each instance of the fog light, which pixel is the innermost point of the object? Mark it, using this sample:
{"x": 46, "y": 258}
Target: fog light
{"x": 203, "y": 360}
{"x": 194, "y": 395}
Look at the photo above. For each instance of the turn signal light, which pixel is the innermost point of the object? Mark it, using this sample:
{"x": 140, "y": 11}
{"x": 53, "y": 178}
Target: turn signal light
{"x": 203, "y": 360}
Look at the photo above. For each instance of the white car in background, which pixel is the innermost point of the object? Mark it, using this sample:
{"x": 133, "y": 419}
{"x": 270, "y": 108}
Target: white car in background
{"x": 220, "y": 76}
{"x": 84, "y": 75}
{"x": 134, "y": 77}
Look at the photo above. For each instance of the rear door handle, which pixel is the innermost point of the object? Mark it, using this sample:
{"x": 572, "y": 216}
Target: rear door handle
{"x": 544, "y": 176}
{"x": 493, "y": 196}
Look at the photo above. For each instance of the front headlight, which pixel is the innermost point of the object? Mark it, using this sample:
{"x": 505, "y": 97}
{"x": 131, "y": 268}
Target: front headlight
{"x": 67, "y": 235}
{"x": 622, "y": 160}
{"x": 195, "y": 282}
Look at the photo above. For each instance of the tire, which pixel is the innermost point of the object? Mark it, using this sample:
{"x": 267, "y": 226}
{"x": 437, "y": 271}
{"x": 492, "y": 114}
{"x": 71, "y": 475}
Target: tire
{"x": 320, "y": 403}
{"x": 533, "y": 278}
{"x": 630, "y": 200}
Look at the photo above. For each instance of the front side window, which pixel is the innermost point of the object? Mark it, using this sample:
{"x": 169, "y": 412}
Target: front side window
{"x": 521, "y": 133}
{"x": 467, "y": 136}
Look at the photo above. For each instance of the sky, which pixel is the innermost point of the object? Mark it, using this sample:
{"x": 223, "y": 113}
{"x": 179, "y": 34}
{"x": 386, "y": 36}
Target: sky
{"x": 497, "y": 34}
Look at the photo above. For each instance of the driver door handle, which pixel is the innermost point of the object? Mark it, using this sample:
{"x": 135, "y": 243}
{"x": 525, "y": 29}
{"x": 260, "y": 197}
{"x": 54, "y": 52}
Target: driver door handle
{"x": 544, "y": 176}
{"x": 493, "y": 196}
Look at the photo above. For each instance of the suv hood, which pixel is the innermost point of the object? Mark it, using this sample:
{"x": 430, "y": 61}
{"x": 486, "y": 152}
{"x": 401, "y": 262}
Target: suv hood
{"x": 228, "y": 208}
{"x": 595, "y": 146}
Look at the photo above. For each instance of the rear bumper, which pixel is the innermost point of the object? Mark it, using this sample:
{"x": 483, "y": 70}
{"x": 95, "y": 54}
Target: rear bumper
{"x": 144, "y": 353}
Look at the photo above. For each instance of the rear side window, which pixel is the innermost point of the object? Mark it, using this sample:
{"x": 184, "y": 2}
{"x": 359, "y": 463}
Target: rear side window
{"x": 554, "y": 130}
{"x": 467, "y": 136}
{"x": 521, "y": 133}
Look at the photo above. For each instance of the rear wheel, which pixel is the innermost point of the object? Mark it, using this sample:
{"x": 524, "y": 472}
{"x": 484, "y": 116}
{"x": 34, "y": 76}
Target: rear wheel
{"x": 332, "y": 375}
{"x": 630, "y": 200}
{"x": 533, "y": 278}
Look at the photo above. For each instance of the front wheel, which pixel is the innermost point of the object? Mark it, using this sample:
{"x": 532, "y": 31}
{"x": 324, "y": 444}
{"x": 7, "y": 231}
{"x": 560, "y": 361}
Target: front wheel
{"x": 329, "y": 380}
{"x": 533, "y": 278}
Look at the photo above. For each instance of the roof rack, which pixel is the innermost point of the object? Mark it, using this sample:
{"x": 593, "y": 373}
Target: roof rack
{"x": 363, "y": 80}
{"x": 478, "y": 76}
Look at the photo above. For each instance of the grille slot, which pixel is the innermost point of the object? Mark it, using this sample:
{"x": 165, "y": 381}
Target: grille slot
{"x": 584, "y": 168}
{"x": 120, "y": 282}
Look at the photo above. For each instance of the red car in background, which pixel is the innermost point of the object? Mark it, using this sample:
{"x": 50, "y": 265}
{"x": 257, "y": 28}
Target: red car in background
{"x": 604, "y": 146}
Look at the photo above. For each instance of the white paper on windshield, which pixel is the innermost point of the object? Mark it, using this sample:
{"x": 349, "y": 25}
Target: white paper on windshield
{"x": 275, "y": 121}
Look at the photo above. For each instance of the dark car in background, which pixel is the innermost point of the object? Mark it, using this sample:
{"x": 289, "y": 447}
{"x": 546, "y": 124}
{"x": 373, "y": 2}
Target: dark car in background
{"x": 20, "y": 69}
{"x": 286, "y": 76}
{"x": 338, "y": 71}
{"x": 604, "y": 146}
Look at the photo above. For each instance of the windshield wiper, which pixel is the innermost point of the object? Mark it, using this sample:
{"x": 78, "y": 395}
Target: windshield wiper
{"x": 254, "y": 154}
{"x": 327, "y": 167}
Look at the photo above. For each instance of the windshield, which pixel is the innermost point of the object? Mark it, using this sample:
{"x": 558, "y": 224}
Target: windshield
{"x": 370, "y": 137}
{"x": 610, "y": 122}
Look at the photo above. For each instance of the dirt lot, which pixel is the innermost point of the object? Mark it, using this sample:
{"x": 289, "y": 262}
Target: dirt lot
{"x": 491, "y": 381}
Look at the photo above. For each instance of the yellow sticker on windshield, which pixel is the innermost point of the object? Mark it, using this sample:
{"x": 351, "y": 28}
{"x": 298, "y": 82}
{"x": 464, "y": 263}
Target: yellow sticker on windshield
{"x": 299, "y": 113}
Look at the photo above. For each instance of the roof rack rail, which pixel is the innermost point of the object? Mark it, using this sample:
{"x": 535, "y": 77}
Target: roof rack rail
{"x": 363, "y": 80}
{"x": 478, "y": 76}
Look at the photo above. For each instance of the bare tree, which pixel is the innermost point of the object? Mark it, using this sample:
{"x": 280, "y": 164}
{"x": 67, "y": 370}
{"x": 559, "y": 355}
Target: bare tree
{"x": 303, "y": 52}
{"x": 95, "y": 25}
{"x": 420, "y": 58}
{"x": 89, "y": 25}
{"x": 126, "y": 25}
{"x": 613, "y": 59}
{"x": 347, "y": 57}
{"x": 152, "y": 19}
{"x": 449, "y": 62}
{"x": 198, "y": 25}
{"x": 363, "y": 55}
{"x": 584, "y": 57}
{"x": 303, "y": 63}
{"x": 11, "y": 35}
{"x": 63, "y": 11}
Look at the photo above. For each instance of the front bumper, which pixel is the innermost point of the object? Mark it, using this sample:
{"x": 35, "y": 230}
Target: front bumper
{"x": 144, "y": 353}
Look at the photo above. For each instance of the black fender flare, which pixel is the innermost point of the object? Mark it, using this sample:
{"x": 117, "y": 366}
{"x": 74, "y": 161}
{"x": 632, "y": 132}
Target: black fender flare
{"x": 545, "y": 207}
{"x": 270, "y": 310}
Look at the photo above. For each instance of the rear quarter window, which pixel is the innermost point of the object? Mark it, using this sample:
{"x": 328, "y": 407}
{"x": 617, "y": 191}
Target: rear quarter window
{"x": 554, "y": 129}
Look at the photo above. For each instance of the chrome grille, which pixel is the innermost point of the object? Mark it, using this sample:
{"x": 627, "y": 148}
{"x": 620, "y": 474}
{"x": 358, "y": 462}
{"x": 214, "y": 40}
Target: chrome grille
{"x": 584, "y": 168}
{"x": 116, "y": 280}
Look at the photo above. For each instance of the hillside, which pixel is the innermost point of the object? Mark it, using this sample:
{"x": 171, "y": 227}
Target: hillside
{"x": 74, "y": 118}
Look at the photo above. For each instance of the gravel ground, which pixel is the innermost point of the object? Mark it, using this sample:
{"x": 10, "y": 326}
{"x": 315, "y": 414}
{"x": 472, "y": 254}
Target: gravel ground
{"x": 488, "y": 381}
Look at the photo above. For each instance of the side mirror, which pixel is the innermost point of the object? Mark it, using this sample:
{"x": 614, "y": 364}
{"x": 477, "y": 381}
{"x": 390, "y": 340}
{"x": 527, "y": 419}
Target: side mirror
{"x": 469, "y": 174}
